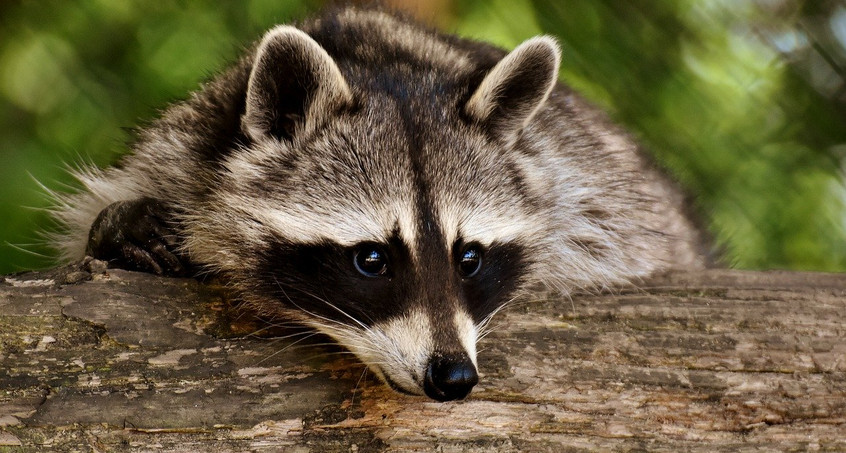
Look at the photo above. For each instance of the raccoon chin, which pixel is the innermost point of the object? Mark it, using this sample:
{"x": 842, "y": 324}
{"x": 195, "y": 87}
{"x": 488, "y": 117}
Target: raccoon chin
{"x": 418, "y": 391}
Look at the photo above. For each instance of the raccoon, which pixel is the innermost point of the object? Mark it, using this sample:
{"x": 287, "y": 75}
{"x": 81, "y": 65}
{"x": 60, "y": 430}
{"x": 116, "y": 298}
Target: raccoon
{"x": 387, "y": 185}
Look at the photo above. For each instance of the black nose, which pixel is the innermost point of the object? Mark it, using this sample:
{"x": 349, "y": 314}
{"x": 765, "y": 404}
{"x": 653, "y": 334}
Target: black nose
{"x": 449, "y": 377}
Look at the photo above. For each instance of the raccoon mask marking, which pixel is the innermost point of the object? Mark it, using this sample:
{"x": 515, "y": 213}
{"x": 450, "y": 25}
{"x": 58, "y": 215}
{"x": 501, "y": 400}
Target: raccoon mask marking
{"x": 386, "y": 185}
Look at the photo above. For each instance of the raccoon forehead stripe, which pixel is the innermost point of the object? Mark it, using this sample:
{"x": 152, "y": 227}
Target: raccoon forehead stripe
{"x": 486, "y": 225}
{"x": 304, "y": 224}
{"x": 307, "y": 225}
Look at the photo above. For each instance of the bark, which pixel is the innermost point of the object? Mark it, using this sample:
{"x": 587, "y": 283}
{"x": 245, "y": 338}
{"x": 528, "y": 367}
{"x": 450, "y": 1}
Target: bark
{"x": 723, "y": 360}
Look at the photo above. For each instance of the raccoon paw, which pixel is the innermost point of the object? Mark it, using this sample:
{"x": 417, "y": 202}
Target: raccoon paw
{"x": 136, "y": 235}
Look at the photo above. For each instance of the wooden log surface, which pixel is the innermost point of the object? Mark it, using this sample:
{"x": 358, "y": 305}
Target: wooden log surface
{"x": 723, "y": 360}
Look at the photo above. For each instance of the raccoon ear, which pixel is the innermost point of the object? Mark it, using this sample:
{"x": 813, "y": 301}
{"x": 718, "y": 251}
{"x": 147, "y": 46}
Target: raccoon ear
{"x": 293, "y": 84}
{"x": 515, "y": 89}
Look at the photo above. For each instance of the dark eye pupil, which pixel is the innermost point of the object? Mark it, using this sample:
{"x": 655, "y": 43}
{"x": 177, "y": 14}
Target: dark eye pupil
{"x": 371, "y": 262}
{"x": 470, "y": 263}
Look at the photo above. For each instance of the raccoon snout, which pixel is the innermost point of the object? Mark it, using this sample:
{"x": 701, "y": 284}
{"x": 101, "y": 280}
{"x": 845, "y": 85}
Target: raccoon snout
{"x": 449, "y": 377}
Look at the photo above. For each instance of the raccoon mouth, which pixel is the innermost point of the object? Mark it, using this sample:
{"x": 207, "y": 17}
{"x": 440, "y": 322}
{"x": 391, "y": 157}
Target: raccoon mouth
{"x": 394, "y": 385}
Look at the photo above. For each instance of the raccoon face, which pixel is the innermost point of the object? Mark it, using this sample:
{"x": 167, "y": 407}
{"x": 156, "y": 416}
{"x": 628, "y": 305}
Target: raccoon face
{"x": 379, "y": 211}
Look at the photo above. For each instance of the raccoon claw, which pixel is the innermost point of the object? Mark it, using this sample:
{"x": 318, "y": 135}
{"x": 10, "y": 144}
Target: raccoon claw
{"x": 154, "y": 259}
{"x": 139, "y": 259}
{"x": 134, "y": 235}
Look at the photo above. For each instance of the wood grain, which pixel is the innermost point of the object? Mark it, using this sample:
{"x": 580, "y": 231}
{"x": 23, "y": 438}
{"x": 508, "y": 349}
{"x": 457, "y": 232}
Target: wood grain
{"x": 723, "y": 360}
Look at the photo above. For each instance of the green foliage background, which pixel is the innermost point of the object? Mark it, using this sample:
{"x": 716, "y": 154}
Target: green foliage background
{"x": 743, "y": 104}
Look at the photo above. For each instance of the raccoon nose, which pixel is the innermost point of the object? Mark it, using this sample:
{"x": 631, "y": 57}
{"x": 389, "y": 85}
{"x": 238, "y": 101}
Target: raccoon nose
{"x": 449, "y": 377}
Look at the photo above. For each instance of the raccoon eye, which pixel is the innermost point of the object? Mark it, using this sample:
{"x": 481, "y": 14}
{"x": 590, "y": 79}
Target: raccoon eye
{"x": 370, "y": 261}
{"x": 470, "y": 261}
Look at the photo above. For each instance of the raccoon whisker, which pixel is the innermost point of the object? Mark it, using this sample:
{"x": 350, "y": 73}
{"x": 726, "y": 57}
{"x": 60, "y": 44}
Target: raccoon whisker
{"x": 275, "y": 353}
{"x": 279, "y": 338}
{"x": 336, "y": 308}
{"x": 351, "y": 341}
{"x": 331, "y": 322}
{"x": 487, "y": 324}
{"x": 274, "y": 321}
{"x": 483, "y": 325}
{"x": 320, "y": 299}
{"x": 320, "y": 318}
{"x": 302, "y": 338}
{"x": 485, "y": 330}
{"x": 278, "y": 319}
{"x": 282, "y": 325}
{"x": 344, "y": 353}
{"x": 485, "y": 334}
{"x": 323, "y": 343}
{"x": 317, "y": 345}
{"x": 380, "y": 363}
{"x": 356, "y": 342}
{"x": 357, "y": 384}
{"x": 352, "y": 318}
{"x": 492, "y": 314}
{"x": 315, "y": 315}
{"x": 339, "y": 352}
{"x": 336, "y": 356}
{"x": 322, "y": 354}
{"x": 340, "y": 332}
{"x": 241, "y": 314}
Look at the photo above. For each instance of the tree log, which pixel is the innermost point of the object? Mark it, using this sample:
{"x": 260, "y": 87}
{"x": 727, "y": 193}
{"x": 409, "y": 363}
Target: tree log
{"x": 723, "y": 360}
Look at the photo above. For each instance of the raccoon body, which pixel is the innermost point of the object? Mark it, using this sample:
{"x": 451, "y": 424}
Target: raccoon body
{"x": 387, "y": 185}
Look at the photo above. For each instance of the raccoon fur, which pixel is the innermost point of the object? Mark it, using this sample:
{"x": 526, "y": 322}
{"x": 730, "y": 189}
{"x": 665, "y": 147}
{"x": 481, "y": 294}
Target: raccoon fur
{"x": 387, "y": 185}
